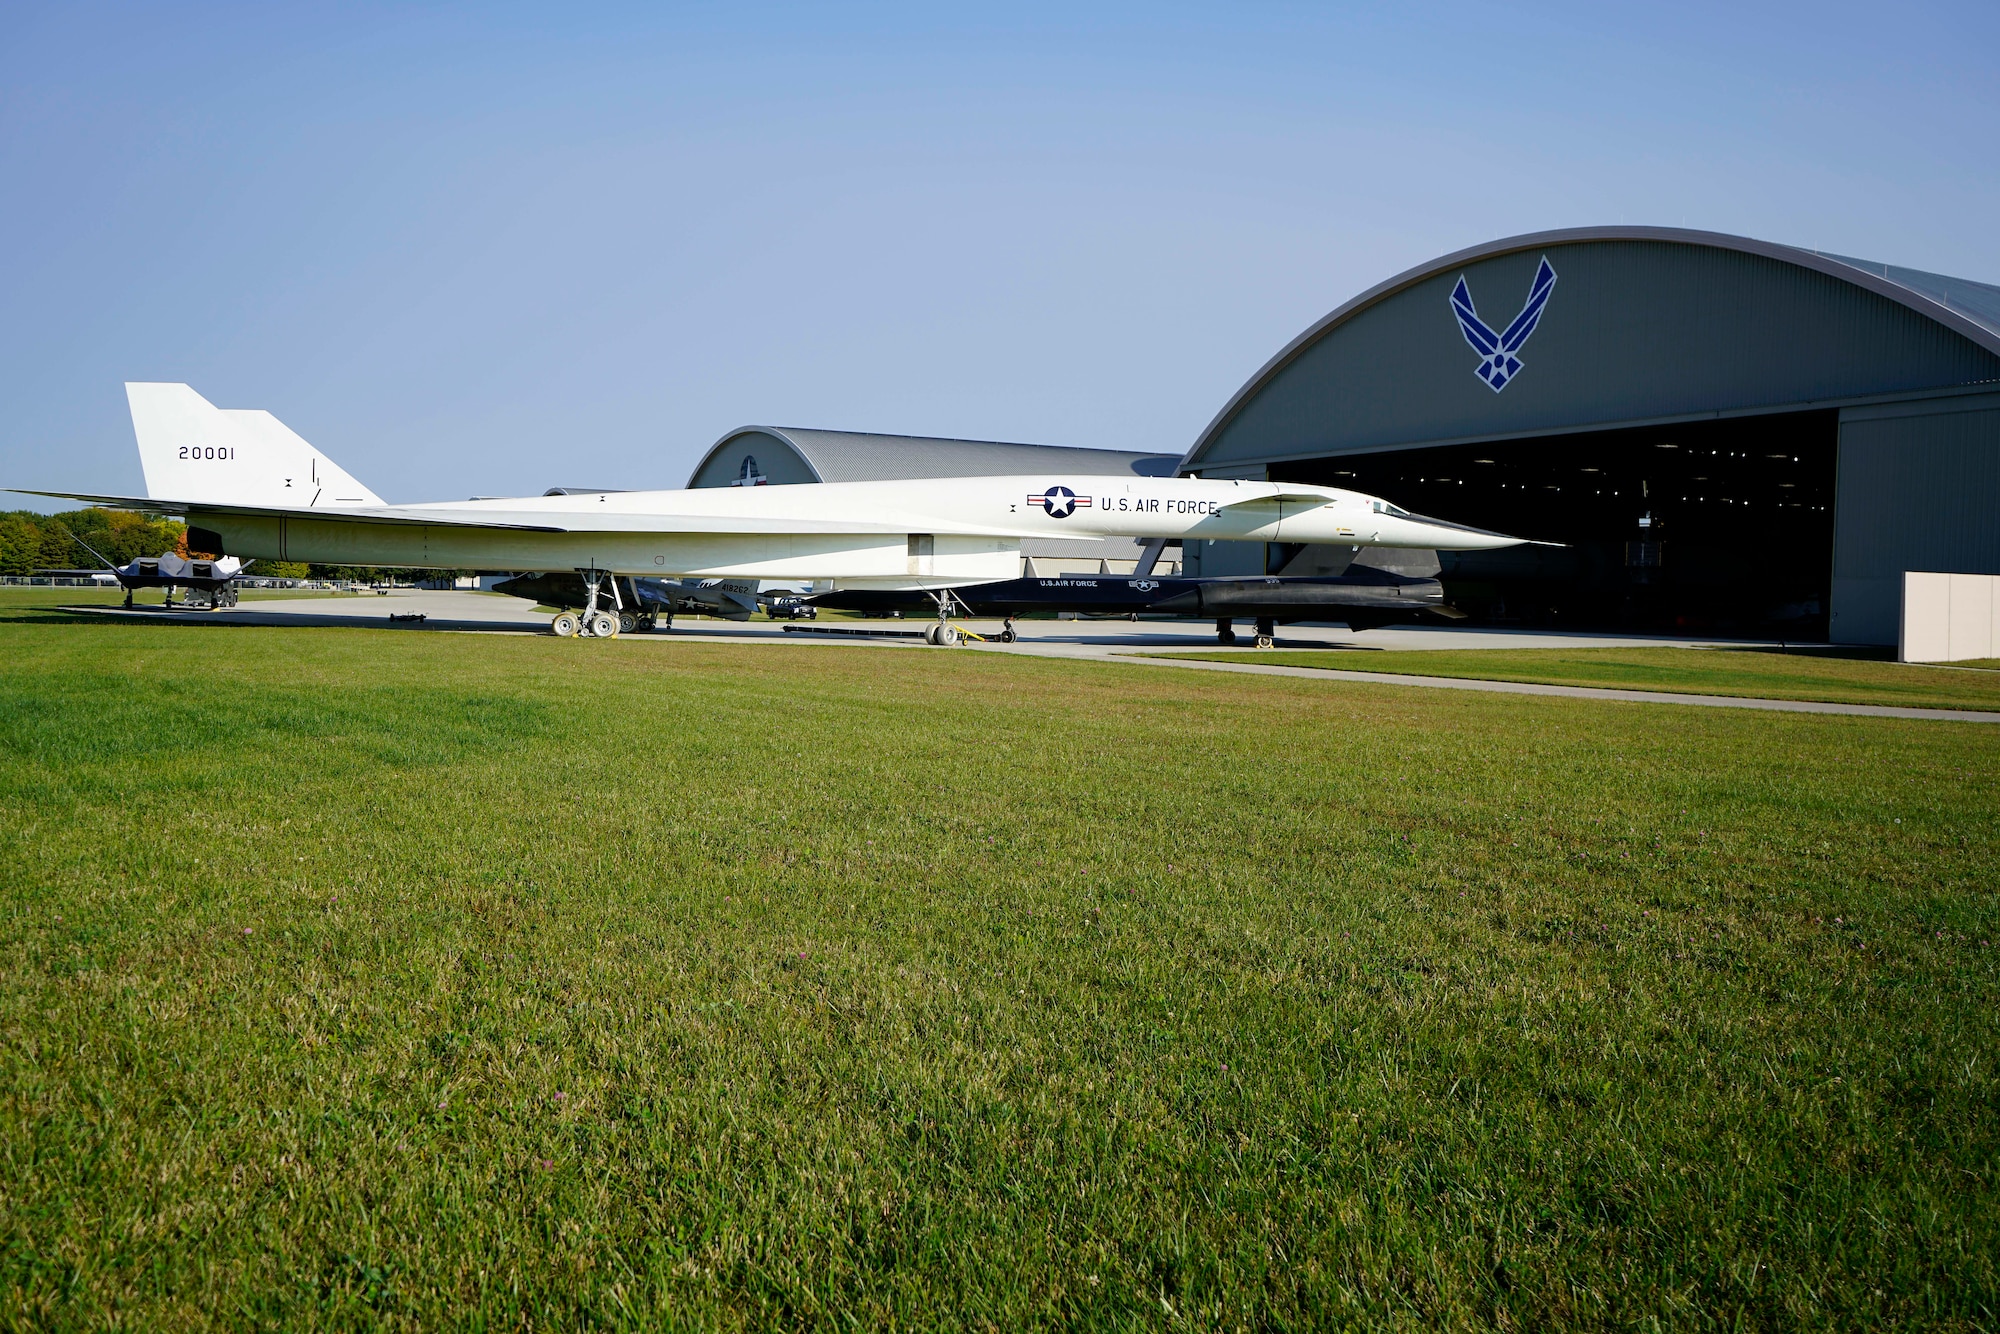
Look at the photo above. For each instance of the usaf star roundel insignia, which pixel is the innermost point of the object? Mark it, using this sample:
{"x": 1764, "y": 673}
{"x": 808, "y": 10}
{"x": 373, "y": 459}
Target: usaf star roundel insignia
{"x": 1059, "y": 501}
{"x": 1499, "y": 361}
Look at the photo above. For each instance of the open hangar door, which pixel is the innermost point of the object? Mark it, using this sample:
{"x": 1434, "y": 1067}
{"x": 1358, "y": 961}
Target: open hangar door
{"x": 1714, "y": 527}
{"x": 1707, "y": 381}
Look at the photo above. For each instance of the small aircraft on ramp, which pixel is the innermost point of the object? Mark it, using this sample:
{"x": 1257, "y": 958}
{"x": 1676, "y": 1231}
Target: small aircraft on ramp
{"x": 210, "y": 583}
{"x": 248, "y": 485}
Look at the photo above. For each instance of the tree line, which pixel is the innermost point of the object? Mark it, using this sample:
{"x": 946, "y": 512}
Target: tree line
{"x": 30, "y": 542}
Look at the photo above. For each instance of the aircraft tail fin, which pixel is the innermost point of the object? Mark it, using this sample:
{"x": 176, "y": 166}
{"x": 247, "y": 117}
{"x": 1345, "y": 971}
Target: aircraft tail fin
{"x": 194, "y": 451}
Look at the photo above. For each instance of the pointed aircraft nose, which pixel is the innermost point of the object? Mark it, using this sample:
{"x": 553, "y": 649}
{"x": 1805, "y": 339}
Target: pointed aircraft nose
{"x": 1444, "y": 535}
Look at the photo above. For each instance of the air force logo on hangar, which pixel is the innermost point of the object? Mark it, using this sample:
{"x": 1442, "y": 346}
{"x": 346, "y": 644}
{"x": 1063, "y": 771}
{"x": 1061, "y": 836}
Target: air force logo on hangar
{"x": 1499, "y": 361}
{"x": 1059, "y": 501}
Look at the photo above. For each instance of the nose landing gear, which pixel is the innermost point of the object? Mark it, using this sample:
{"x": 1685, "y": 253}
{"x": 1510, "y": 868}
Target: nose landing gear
{"x": 1225, "y": 631}
{"x": 944, "y": 634}
{"x": 1267, "y": 631}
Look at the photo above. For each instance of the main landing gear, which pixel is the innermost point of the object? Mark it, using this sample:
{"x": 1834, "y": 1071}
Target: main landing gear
{"x": 593, "y": 622}
{"x": 641, "y": 622}
{"x": 1267, "y": 631}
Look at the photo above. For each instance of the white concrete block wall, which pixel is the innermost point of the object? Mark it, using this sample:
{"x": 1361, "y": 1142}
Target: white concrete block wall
{"x": 1949, "y": 617}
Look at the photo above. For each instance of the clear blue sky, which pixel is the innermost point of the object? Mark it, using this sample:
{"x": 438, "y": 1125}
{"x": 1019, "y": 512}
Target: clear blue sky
{"x": 490, "y": 249}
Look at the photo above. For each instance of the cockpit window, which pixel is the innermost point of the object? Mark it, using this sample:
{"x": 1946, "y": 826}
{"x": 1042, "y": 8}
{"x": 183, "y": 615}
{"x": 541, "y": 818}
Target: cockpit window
{"x": 1384, "y": 507}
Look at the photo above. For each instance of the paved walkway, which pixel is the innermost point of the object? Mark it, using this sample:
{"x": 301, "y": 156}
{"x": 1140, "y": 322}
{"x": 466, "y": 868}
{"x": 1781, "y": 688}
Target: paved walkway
{"x": 1578, "y": 692}
{"x": 1103, "y": 641}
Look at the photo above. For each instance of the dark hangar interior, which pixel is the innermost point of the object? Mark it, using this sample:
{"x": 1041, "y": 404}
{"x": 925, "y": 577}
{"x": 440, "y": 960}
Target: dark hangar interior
{"x": 1723, "y": 497}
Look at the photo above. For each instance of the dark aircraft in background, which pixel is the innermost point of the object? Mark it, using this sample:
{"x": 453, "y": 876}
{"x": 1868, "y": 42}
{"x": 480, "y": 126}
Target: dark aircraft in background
{"x": 210, "y": 583}
{"x": 1362, "y": 597}
{"x": 643, "y": 604}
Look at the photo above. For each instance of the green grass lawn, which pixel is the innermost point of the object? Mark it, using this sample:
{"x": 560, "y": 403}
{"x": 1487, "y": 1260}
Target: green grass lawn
{"x": 15, "y": 597}
{"x": 351, "y": 979}
{"x": 1756, "y": 673}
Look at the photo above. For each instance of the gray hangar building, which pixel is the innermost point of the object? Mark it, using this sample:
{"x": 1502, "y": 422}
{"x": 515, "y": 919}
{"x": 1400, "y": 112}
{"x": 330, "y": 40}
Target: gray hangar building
{"x": 1726, "y": 435}
{"x": 790, "y": 455}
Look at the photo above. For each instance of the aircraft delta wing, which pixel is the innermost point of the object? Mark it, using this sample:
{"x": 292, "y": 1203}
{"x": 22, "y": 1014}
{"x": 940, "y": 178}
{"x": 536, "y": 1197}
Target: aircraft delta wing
{"x": 249, "y": 486}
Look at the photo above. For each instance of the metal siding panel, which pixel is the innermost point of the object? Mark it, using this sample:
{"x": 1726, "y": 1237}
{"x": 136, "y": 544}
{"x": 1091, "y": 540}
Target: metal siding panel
{"x": 1635, "y": 330}
{"x": 1917, "y": 491}
{"x": 857, "y": 456}
{"x": 802, "y": 455}
{"x": 776, "y": 459}
{"x": 1978, "y": 302}
{"x": 1230, "y": 558}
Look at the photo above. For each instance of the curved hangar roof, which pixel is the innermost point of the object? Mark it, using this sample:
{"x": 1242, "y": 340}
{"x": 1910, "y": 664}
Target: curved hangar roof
{"x": 1637, "y": 325}
{"x": 757, "y": 455}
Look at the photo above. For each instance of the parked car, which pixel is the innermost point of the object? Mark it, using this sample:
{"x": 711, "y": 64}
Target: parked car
{"x": 788, "y": 607}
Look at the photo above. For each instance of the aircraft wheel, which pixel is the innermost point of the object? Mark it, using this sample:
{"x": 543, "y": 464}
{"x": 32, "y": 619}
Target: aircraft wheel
{"x": 1007, "y": 636}
{"x": 1264, "y": 641}
{"x": 931, "y": 634}
{"x": 627, "y": 622}
{"x": 564, "y": 625}
{"x": 603, "y": 625}
{"x": 1225, "y": 636}
{"x": 949, "y": 636}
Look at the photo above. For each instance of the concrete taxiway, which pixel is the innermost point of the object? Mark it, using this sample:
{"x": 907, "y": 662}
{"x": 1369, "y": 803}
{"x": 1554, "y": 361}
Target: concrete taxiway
{"x": 1120, "y": 641}
{"x": 492, "y": 612}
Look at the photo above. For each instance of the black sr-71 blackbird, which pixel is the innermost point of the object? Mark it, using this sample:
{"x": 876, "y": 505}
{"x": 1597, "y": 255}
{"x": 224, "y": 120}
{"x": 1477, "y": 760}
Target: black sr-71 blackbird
{"x": 1362, "y": 597}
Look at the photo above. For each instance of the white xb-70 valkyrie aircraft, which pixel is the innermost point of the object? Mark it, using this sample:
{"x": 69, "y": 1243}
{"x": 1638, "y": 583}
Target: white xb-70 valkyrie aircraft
{"x": 262, "y": 491}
